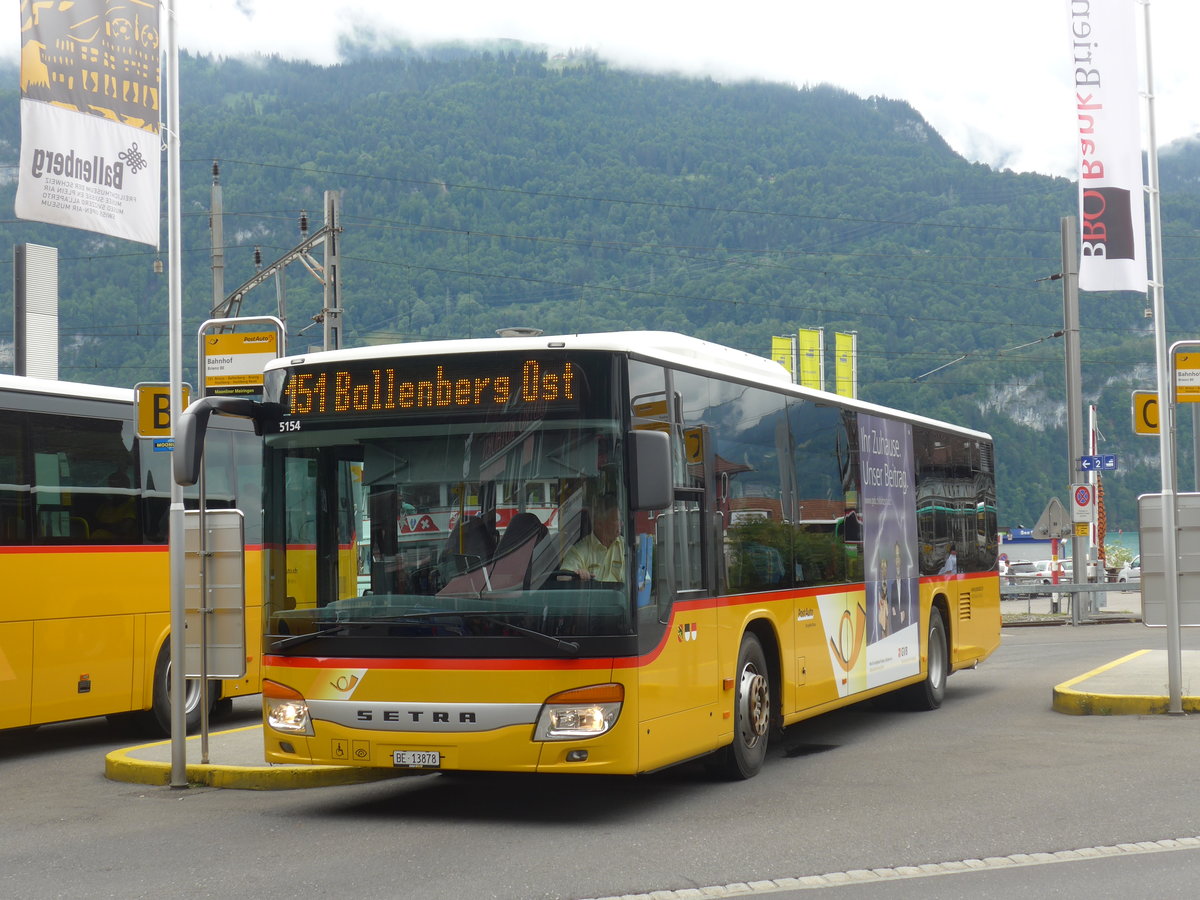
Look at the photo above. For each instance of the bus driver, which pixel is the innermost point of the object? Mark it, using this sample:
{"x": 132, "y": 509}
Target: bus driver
{"x": 600, "y": 555}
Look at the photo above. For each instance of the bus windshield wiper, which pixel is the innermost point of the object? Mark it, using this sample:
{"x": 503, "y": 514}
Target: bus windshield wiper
{"x": 297, "y": 639}
{"x": 570, "y": 648}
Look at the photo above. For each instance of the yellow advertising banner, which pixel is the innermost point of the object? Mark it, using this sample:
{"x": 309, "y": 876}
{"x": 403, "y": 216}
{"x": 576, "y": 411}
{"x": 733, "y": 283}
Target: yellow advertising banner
{"x": 781, "y": 352}
{"x": 845, "y": 366}
{"x": 812, "y": 346}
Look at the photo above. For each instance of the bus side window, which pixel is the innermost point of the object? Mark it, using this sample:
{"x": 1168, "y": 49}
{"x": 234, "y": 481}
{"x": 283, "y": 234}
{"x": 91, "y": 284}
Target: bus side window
{"x": 14, "y": 480}
{"x": 155, "y": 473}
{"x": 248, "y": 468}
{"x": 83, "y": 488}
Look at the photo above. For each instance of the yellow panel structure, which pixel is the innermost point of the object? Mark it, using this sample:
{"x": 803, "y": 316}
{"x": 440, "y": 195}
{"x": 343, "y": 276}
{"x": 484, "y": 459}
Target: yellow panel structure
{"x": 85, "y": 667}
{"x": 16, "y": 673}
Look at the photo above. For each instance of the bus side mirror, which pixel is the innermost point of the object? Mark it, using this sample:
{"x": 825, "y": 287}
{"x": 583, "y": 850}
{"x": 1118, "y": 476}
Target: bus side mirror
{"x": 193, "y": 424}
{"x": 650, "y": 481}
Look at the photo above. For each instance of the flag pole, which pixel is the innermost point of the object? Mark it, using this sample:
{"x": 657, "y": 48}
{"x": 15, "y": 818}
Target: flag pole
{"x": 1166, "y": 402}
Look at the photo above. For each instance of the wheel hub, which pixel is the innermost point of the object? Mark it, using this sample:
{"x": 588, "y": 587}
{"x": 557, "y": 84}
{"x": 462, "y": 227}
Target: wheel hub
{"x": 755, "y": 702}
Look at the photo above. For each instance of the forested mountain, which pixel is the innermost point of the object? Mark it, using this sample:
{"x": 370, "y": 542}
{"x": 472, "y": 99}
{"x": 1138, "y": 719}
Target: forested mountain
{"x": 486, "y": 188}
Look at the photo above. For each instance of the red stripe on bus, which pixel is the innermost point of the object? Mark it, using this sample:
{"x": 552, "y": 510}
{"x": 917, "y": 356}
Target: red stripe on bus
{"x": 102, "y": 548}
{"x": 93, "y": 548}
{"x": 333, "y": 662}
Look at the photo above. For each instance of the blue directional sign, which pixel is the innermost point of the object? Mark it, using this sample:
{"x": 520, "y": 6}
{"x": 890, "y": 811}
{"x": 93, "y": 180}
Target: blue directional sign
{"x": 1104, "y": 463}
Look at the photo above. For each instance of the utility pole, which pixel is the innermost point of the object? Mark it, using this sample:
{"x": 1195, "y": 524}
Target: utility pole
{"x": 216, "y": 228}
{"x": 332, "y": 312}
{"x": 230, "y": 306}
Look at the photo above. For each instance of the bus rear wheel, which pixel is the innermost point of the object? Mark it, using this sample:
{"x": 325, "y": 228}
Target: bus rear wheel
{"x": 928, "y": 694}
{"x": 159, "y": 716}
{"x": 744, "y": 757}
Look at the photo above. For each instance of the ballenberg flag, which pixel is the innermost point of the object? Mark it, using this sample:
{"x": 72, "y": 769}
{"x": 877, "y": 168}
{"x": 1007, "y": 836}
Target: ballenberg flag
{"x": 1111, "y": 209}
{"x": 90, "y": 153}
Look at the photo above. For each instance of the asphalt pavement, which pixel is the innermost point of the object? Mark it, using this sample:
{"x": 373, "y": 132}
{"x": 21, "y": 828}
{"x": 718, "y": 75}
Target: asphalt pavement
{"x": 1133, "y": 685}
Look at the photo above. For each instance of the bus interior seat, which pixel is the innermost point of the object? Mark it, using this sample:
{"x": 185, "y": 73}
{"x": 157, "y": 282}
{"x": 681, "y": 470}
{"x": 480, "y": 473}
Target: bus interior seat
{"x": 470, "y": 545}
{"x": 514, "y": 552}
{"x": 465, "y": 556}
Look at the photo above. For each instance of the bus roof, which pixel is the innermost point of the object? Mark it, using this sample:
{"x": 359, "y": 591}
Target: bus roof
{"x": 26, "y": 385}
{"x": 664, "y": 347}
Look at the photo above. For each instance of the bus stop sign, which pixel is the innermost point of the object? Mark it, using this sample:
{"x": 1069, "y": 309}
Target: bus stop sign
{"x": 153, "y": 400}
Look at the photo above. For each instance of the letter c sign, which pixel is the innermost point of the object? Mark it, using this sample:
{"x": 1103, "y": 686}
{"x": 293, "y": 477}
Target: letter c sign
{"x": 1145, "y": 412}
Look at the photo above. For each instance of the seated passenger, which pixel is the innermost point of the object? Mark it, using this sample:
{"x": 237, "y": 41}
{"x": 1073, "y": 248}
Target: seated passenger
{"x": 116, "y": 518}
{"x": 600, "y": 556}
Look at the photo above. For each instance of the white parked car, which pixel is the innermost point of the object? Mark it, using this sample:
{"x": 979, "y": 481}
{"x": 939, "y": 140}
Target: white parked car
{"x": 1020, "y": 572}
{"x": 1045, "y": 573}
{"x": 1131, "y": 572}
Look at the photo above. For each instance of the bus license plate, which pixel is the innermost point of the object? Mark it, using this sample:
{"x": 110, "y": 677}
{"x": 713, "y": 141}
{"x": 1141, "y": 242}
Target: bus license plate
{"x": 417, "y": 759}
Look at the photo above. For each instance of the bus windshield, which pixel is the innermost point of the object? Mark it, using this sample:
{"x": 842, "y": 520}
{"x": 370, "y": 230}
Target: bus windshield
{"x": 449, "y": 530}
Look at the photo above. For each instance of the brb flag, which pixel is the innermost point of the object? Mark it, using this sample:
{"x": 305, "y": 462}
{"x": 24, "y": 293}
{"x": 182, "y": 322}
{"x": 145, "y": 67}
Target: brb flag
{"x": 90, "y": 155}
{"x": 1112, "y": 226}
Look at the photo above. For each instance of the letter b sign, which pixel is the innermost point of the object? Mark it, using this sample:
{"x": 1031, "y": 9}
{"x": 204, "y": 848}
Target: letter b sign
{"x": 154, "y": 408}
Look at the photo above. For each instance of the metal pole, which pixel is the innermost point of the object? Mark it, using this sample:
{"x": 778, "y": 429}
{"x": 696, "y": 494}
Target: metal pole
{"x": 1074, "y": 368}
{"x": 175, "y": 341}
{"x": 333, "y": 311}
{"x": 854, "y": 364}
{"x": 821, "y": 354}
{"x": 280, "y": 294}
{"x": 217, "y": 230}
{"x": 1093, "y": 478}
{"x": 1196, "y": 447}
{"x": 202, "y": 549}
{"x": 217, "y": 236}
{"x": 1166, "y": 405}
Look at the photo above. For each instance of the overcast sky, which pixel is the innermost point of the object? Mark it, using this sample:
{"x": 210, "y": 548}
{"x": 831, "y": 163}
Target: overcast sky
{"x": 994, "y": 78}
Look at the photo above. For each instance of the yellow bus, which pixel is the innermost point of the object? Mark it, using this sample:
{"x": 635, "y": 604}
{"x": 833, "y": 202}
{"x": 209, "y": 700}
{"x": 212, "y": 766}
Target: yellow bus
{"x": 728, "y": 554}
{"x": 85, "y": 601}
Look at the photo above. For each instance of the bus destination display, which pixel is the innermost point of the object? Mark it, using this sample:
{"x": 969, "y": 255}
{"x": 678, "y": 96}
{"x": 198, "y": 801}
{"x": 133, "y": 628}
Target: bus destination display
{"x": 469, "y": 385}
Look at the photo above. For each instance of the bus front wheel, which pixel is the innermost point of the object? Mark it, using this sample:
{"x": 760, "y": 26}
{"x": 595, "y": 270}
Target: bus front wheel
{"x": 159, "y": 716}
{"x": 752, "y": 714}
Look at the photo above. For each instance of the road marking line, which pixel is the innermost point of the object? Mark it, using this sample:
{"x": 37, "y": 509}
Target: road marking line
{"x": 957, "y": 867}
{"x": 1066, "y": 685}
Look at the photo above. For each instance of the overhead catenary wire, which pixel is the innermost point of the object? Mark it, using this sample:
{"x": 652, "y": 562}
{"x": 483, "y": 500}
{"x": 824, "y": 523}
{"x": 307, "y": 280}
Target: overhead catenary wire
{"x": 1048, "y": 337}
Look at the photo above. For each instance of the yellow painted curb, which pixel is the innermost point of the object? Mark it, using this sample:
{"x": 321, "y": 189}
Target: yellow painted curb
{"x": 1085, "y": 703}
{"x": 121, "y": 765}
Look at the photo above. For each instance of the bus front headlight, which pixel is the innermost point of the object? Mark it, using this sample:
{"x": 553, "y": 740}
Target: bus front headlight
{"x": 286, "y": 710}
{"x": 579, "y": 713}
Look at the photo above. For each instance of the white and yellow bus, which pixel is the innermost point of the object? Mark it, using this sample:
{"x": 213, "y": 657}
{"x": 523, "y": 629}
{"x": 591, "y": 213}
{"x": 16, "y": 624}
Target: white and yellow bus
{"x": 767, "y": 560}
{"x": 84, "y": 594}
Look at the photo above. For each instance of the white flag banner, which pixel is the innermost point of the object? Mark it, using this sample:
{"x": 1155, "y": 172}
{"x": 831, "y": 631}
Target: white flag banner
{"x": 1112, "y": 226}
{"x": 87, "y": 172}
{"x": 90, "y": 151}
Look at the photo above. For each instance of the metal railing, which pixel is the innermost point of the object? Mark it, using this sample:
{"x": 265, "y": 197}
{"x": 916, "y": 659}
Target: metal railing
{"x": 1079, "y": 600}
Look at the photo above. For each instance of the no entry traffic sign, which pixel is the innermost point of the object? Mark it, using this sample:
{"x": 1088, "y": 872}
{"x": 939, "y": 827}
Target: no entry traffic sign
{"x": 1083, "y": 503}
